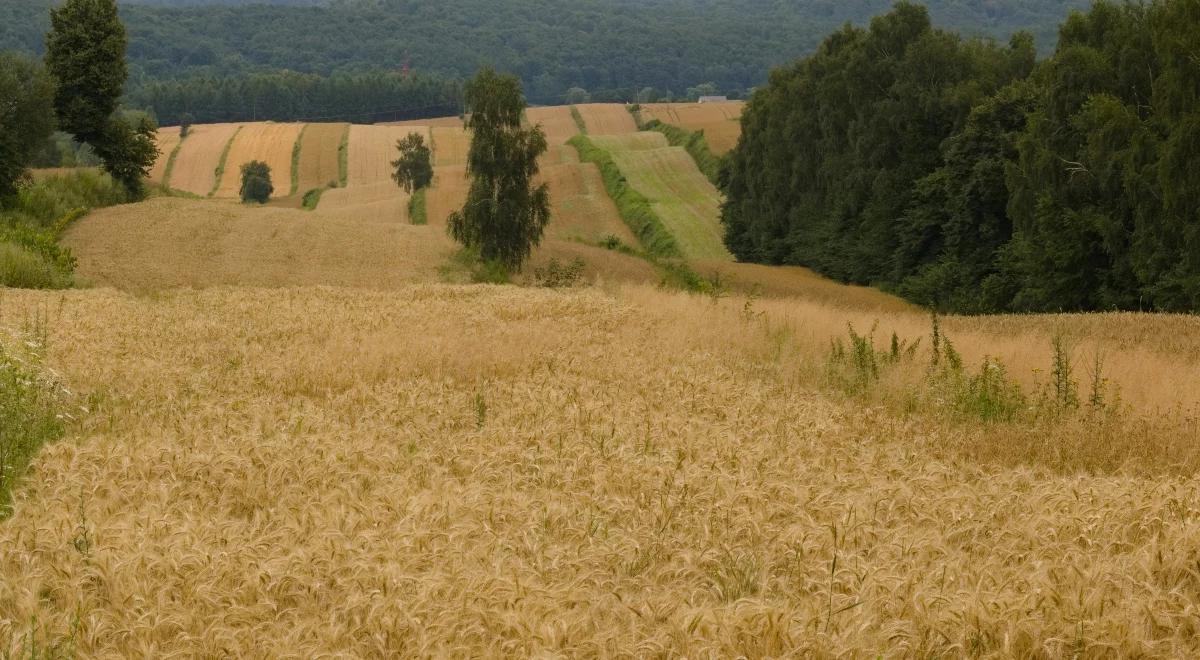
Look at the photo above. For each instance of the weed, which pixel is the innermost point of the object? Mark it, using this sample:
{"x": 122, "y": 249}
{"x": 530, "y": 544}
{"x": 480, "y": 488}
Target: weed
{"x": 557, "y": 275}
{"x": 29, "y": 409}
{"x": 417, "y": 211}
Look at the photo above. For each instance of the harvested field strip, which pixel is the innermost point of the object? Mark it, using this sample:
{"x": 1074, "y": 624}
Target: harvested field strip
{"x": 319, "y": 155}
{"x": 316, "y": 472}
{"x": 372, "y": 150}
{"x": 450, "y": 146}
{"x": 199, "y": 157}
{"x": 167, "y": 141}
{"x": 270, "y": 143}
{"x": 214, "y": 243}
{"x": 556, "y": 121}
{"x": 580, "y": 206}
{"x": 719, "y": 121}
{"x": 607, "y": 118}
{"x": 437, "y": 122}
{"x": 687, "y": 203}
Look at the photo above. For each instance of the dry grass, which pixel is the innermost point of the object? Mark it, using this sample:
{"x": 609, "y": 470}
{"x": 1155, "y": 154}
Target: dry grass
{"x": 166, "y": 139}
{"x": 683, "y": 198}
{"x": 194, "y": 243}
{"x": 267, "y": 142}
{"x": 607, "y": 118}
{"x": 484, "y": 471}
{"x": 556, "y": 121}
{"x": 719, "y": 121}
{"x": 199, "y": 155}
{"x": 319, "y": 155}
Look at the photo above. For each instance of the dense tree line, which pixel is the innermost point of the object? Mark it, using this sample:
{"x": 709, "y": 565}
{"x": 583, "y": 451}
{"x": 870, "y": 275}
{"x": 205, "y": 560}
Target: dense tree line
{"x": 959, "y": 174}
{"x": 612, "y": 48}
{"x": 288, "y": 96}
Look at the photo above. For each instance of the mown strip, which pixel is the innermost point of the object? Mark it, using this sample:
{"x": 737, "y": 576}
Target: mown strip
{"x": 219, "y": 173}
{"x": 296, "y": 161}
{"x": 417, "y": 214}
{"x": 635, "y": 209}
{"x": 693, "y": 142}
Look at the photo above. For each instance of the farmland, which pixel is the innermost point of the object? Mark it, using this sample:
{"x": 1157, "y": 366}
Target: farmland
{"x": 298, "y": 433}
{"x": 718, "y": 121}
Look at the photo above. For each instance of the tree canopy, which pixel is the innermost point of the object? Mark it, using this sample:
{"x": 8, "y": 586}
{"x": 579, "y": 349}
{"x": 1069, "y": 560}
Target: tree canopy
{"x": 26, "y": 116}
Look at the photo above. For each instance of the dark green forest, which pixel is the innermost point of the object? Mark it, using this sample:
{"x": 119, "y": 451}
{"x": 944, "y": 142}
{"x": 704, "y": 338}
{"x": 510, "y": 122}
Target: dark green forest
{"x": 965, "y": 176}
{"x": 613, "y": 48}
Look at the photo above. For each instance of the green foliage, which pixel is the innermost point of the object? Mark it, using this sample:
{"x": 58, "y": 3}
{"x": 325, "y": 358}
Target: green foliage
{"x": 417, "y": 211}
{"x": 695, "y": 144}
{"x": 26, "y": 116}
{"x": 634, "y": 208}
{"x": 414, "y": 168}
{"x": 505, "y": 214}
{"x": 557, "y": 275}
{"x": 579, "y": 123}
{"x": 296, "y": 161}
{"x": 128, "y": 151}
{"x": 312, "y": 198}
{"x": 185, "y": 124}
{"x": 29, "y": 410}
{"x": 343, "y": 160}
{"x": 85, "y": 51}
{"x": 256, "y": 182}
{"x": 21, "y": 268}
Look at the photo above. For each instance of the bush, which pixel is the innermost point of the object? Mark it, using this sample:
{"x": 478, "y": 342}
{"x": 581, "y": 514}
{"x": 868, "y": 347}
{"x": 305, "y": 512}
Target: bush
{"x": 256, "y": 182}
{"x": 21, "y": 268}
{"x": 557, "y": 275}
{"x": 46, "y": 202}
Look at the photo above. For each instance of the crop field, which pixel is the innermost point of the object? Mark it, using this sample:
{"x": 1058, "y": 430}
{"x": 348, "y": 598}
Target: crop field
{"x": 719, "y": 121}
{"x": 450, "y": 145}
{"x": 166, "y": 139}
{"x": 436, "y": 122}
{"x": 556, "y": 121}
{"x": 686, "y": 201}
{"x": 267, "y": 142}
{"x": 450, "y": 184}
{"x": 580, "y": 206}
{"x": 372, "y": 150}
{"x": 199, "y": 156}
{"x": 374, "y": 202}
{"x": 607, "y": 118}
{"x": 319, "y": 155}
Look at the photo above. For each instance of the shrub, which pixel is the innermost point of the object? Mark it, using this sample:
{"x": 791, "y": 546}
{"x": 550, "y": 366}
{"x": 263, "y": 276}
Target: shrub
{"x": 185, "y": 124}
{"x": 256, "y": 182}
{"x": 21, "y": 268}
{"x": 557, "y": 275}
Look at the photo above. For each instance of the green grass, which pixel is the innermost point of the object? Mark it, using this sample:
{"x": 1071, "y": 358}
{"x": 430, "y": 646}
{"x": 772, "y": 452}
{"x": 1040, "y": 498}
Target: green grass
{"x": 679, "y": 195}
{"x": 417, "y": 214}
{"x": 579, "y": 120}
{"x": 694, "y": 143}
{"x": 296, "y": 162}
{"x": 635, "y": 209}
{"x": 312, "y": 198}
{"x": 29, "y": 413}
{"x": 220, "y": 171}
{"x": 343, "y": 158}
{"x": 166, "y": 182}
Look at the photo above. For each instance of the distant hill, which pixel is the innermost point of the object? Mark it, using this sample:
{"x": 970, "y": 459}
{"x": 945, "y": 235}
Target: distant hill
{"x": 552, "y": 44}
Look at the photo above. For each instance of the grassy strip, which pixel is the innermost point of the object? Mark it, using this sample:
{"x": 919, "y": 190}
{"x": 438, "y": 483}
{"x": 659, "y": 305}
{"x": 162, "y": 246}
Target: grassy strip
{"x": 695, "y": 144}
{"x": 166, "y": 182}
{"x": 636, "y": 211}
{"x": 220, "y": 171}
{"x": 417, "y": 214}
{"x": 579, "y": 120}
{"x": 29, "y": 415}
{"x": 344, "y": 158}
{"x": 312, "y": 198}
{"x": 296, "y": 162}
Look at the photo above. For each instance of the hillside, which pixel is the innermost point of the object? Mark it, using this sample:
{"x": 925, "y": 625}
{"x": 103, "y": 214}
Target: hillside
{"x": 606, "y": 46}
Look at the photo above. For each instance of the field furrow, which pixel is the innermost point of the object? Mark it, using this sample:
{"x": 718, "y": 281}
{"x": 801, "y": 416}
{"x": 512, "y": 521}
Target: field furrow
{"x": 607, "y": 118}
{"x": 319, "y": 155}
{"x": 267, "y": 142}
{"x": 199, "y": 156}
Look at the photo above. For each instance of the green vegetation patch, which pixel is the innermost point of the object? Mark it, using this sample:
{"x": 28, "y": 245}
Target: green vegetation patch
{"x": 29, "y": 414}
{"x": 312, "y": 198}
{"x": 636, "y": 210}
{"x": 166, "y": 182}
{"x": 579, "y": 120}
{"x": 694, "y": 143}
{"x": 296, "y": 162}
{"x": 344, "y": 158}
{"x": 417, "y": 213}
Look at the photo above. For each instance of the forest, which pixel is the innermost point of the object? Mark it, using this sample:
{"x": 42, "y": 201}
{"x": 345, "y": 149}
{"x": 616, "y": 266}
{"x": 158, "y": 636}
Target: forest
{"x": 613, "y": 48}
{"x": 962, "y": 174}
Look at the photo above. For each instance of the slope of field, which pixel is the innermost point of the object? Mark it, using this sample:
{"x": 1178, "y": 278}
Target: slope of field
{"x": 719, "y": 121}
{"x": 166, "y": 139}
{"x": 580, "y": 206}
{"x": 556, "y": 121}
{"x": 607, "y": 118}
{"x": 494, "y": 471}
{"x": 176, "y": 242}
{"x": 199, "y": 155}
{"x": 373, "y": 202}
{"x": 268, "y": 142}
{"x": 450, "y": 145}
{"x": 372, "y": 149}
{"x": 450, "y": 185}
{"x": 687, "y": 202}
{"x": 319, "y": 155}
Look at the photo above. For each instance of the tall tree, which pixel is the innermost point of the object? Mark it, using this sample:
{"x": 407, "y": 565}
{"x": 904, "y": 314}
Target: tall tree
{"x": 26, "y": 116}
{"x": 85, "y": 50}
{"x": 504, "y": 215}
{"x": 413, "y": 170}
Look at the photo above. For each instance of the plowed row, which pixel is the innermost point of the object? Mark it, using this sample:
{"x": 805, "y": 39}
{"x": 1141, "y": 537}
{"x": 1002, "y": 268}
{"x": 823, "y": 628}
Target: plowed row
{"x": 686, "y": 201}
{"x": 719, "y": 121}
{"x": 267, "y": 142}
{"x": 196, "y": 166}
